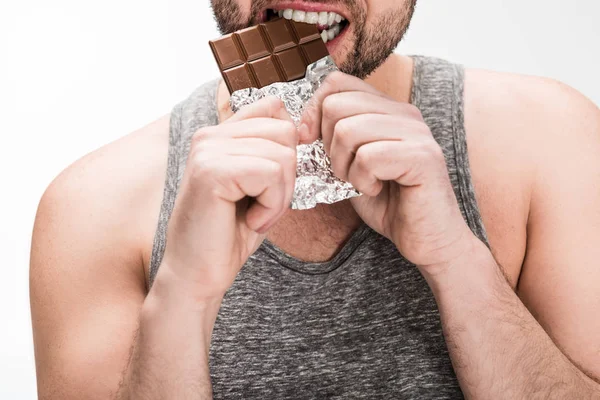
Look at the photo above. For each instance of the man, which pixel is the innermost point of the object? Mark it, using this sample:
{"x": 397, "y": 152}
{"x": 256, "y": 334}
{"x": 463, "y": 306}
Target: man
{"x": 455, "y": 274}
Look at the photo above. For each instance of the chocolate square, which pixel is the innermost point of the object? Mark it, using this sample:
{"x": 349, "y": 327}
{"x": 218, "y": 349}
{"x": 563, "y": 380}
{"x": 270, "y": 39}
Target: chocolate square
{"x": 266, "y": 71}
{"x": 314, "y": 51}
{"x": 227, "y": 52}
{"x": 305, "y": 32}
{"x": 239, "y": 77}
{"x": 292, "y": 64}
{"x": 253, "y": 43}
{"x": 279, "y": 34}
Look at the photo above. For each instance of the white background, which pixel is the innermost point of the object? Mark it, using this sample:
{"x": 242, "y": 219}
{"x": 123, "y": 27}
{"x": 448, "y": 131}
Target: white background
{"x": 75, "y": 75}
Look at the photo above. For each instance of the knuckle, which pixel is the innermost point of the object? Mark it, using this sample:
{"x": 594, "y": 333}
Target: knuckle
{"x": 287, "y": 160}
{"x": 289, "y": 131}
{"x": 289, "y": 128}
{"x": 202, "y": 169}
{"x": 201, "y": 134}
{"x": 362, "y": 158}
{"x": 328, "y": 107}
{"x": 277, "y": 171}
{"x": 372, "y": 188}
{"x": 343, "y": 130}
{"x": 432, "y": 149}
{"x": 274, "y": 104}
{"x": 289, "y": 155}
{"x": 198, "y": 157}
{"x": 423, "y": 130}
{"x": 334, "y": 79}
{"x": 201, "y": 161}
{"x": 291, "y": 166}
{"x": 199, "y": 150}
{"x": 413, "y": 111}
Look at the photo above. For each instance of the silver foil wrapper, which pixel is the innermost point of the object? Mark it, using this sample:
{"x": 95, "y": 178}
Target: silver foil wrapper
{"x": 315, "y": 181}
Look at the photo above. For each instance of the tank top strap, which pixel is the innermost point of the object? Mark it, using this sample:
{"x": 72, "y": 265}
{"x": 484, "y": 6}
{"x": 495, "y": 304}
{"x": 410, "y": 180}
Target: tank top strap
{"x": 438, "y": 91}
{"x": 197, "y": 111}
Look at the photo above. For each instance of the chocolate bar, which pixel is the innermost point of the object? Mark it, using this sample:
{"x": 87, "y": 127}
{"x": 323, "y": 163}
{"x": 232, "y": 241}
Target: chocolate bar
{"x": 275, "y": 51}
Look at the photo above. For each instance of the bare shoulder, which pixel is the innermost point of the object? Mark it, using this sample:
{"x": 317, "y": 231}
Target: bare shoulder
{"x": 92, "y": 235}
{"x": 116, "y": 188}
{"x": 516, "y": 100}
{"x": 523, "y": 120}
{"x": 518, "y": 126}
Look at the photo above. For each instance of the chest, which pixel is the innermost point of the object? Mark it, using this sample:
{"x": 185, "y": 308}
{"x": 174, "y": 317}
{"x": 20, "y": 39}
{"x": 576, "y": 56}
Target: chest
{"x": 315, "y": 235}
{"x": 367, "y": 329}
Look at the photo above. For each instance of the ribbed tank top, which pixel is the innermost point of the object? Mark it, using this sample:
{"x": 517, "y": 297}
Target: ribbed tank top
{"x": 362, "y": 325}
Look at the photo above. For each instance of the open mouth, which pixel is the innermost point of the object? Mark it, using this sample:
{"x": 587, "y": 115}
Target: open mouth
{"x": 330, "y": 24}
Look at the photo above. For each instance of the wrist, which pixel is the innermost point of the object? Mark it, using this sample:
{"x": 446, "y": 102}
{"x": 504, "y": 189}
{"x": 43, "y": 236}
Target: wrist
{"x": 172, "y": 298}
{"x": 474, "y": 267}
{"x": 171, "y": 285}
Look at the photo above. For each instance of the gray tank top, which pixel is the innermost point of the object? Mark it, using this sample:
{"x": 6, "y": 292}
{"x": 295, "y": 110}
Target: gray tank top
{"x": 362, "y": 325}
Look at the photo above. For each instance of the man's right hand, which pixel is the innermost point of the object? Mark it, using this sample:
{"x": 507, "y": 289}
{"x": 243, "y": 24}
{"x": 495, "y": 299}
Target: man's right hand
{"x": 239, "y": 181}
{"x": 88, "y": 291}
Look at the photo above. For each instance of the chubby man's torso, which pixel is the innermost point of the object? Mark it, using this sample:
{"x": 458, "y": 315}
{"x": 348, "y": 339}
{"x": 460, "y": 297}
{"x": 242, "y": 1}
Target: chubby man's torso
{"x": 326, "y": 307}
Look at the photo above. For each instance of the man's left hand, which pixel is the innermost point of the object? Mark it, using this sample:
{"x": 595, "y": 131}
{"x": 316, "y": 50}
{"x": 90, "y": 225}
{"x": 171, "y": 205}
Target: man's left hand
{"x": 385, "y": 149}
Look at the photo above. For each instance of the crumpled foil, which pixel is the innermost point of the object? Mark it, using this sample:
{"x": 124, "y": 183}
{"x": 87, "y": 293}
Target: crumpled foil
{"x": 315, "y": 181}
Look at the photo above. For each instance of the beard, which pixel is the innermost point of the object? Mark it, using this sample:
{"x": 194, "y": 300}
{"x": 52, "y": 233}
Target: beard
{"x": 371, "y": 46}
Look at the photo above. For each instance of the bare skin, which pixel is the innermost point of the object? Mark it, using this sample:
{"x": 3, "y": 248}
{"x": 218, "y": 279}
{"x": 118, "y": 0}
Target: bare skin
{"x": 95, "y": 225}
{"x": 519, "y": 320}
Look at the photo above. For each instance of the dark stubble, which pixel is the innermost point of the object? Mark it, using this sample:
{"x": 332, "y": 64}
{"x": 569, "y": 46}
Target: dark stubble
{"x": 372, "y": 44}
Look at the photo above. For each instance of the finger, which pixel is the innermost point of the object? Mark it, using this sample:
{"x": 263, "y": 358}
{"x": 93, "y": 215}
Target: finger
{"x": 268, "y": 107}
{"x": 255, "y": 177}
{"x": 360, "y": 172}
{"x": 348, "y": 104}
{"x": 282, "y": 132}
{"x": 238, "y": 150}
{"x": 409, "y": 163}
{"x": 255, "y": 147}
{"x": 285, "y": 156}
{"x": 271, "y": 203}
{"x": 336, "y": 82}
{"x": 356, "y": 131}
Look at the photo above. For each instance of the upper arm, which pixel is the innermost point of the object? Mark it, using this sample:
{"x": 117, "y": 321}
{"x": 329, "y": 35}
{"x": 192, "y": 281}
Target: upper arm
{"x": 86, "y": 275}
{"x": 560, "y": 279}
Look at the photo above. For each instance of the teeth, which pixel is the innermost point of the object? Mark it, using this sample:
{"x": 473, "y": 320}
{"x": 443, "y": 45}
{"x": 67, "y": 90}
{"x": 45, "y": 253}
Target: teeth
{"x": 330, "y": 19}
{"x": 311, "y": 18}
{"x": 330, "y": 34}
{"x": 299, "y": 16}
{"x": 324, "y": 36}
{"x": 323, "y": 18}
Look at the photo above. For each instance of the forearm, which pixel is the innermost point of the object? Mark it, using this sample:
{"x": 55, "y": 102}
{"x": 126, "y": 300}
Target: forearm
{"x": 169, "y": 358}
{"x": 497, "y": 347}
